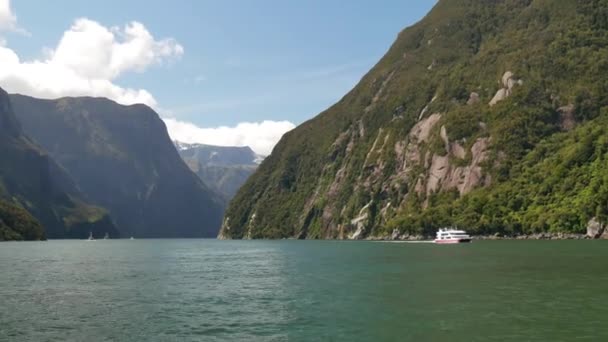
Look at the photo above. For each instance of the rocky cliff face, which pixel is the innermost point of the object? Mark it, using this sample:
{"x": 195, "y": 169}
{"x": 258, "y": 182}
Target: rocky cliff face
{"x": 475, "y": 116}
{"x": 224, "y": 169}
{"x": 30, "y": 179}
{"x": 122, "y": 158}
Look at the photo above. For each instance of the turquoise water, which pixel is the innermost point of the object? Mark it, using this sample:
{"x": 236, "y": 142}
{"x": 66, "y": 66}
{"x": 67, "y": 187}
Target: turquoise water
{"x": 207, "y": 290}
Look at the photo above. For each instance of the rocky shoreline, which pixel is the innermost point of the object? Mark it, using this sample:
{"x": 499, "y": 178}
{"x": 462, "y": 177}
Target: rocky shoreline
{"x": 595, "y": 231}
{"x": 540, "y": 236}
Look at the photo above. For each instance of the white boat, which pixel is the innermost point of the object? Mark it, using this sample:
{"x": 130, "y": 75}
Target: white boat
{"x": 132, "y": 238}
{"x": 91, "y": 237}
{"x": 105, "y": 237}
{"x": 451, "y": 236}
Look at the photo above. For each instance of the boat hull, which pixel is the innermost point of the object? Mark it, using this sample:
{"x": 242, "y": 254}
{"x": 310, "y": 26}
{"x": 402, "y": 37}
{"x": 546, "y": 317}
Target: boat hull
{"x": 451, "y": 241}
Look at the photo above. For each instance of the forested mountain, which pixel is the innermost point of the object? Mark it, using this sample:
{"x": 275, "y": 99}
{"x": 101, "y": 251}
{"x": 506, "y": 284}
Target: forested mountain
{"x": 17, "y": 223}
{"x": 489, "y": 115}
{"x": 31, "y": 180}
{"x": 121, "y": 157}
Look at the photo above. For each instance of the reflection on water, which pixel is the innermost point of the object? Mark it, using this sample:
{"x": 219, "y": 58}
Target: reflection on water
{"x": 158, "y": 290}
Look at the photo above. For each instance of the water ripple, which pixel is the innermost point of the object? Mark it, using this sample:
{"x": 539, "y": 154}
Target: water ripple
{"x": 193, "y": 290}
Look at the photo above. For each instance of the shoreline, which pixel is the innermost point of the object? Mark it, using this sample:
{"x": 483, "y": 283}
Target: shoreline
{"x": 539, "y": 236}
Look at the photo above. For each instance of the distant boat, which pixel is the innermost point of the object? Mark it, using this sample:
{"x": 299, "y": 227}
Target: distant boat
{"x": 132, "y": 238}
{"x": 105, "y": 237}
{"x": 91, "y": 237}
{"x": 451, "y": 236}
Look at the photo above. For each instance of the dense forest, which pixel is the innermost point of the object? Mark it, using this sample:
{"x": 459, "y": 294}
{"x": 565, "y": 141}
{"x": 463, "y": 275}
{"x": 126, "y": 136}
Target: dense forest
{"x": 17, "y": 224}
{"x": 489, "y": 115}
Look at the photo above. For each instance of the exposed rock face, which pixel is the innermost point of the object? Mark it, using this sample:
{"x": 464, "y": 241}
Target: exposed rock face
{"x": 408, "y": 139}
{"x": 508, "y": 82}
{"x": 426, "y": 108}
{"x": 501, "y": 94}
{"x": 595, "y": 229}
{"x": 438, "y": 171}
{"x": 422, "y": 130}
{"x": 473, "y": 99}
{"x": 442, "y": 174}
{"x": 439, "y": 174}
{"x": 457, "y": 150}
{"x": 360, "y": 223}
{"x": 453, "y": 148}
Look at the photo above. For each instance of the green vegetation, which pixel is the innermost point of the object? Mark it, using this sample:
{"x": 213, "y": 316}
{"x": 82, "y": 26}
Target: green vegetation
{"x": 122, "y": 159}
{"x": 17, "y": 224}
{"x": 544, "y": 166}
{"x": 32, "y": 183}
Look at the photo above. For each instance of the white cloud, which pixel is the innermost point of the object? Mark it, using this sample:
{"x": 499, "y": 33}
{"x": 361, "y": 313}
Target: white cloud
{"x": 260, "y": 136}
{"x": 90, "y": 57}
{"x": 94, "y": 51}
{"x": 8, "y": 20}
{"x": 86, "y": 62}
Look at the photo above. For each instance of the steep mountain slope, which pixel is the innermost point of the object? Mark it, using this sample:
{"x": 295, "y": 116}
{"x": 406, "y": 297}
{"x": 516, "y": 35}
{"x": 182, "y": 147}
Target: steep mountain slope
{"x": 17, "y": 224}
{"x": 486, "y": 114}
{"x": 222, "y": 168}
{"x": 32, "y": 180}
{"x": 123, "y": 159}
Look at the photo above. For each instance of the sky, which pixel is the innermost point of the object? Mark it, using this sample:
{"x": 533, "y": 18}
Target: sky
{"x": 223, "y": 72}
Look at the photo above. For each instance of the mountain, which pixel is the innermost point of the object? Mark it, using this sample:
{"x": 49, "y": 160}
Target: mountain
{"x": 30, "y": 180}
{"x": 17, "y": 223}
{"x": 122, "y": 158}
{"x": 224, "y": 169}
{"x": 490, "y": 115}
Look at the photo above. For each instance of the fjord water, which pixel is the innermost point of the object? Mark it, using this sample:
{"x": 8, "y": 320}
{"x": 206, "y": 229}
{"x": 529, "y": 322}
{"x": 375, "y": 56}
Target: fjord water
{"x": 164, "y": 290}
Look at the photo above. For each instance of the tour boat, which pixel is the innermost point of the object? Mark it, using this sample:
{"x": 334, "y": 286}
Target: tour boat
{"x": 450, "y": 235}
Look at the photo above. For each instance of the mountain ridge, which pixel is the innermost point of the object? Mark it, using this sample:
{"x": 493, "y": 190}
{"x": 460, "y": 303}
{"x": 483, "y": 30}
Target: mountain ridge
{"x": 223, "y": 168}
{"x": 31, "y": 180}
{"x": 441, "y": 129}
{"x": 123, "y": 159}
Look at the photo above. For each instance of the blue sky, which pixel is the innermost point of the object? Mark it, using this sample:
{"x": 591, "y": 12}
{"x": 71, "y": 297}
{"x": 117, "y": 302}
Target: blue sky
{"x": 242, "y": 61}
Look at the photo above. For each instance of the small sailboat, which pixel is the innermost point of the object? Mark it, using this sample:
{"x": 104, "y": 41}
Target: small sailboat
{"x": 132, "y": 238}
{"x": 91, "y": 238}
{"x": 105, "y": 237}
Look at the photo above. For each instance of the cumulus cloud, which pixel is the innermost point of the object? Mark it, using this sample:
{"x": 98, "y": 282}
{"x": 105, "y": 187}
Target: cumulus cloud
{"x": 8, "y": 19}
{"x": 90, "y": 57}
{"x": 86, "y": 62}
{"x": 260, "y": 136}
